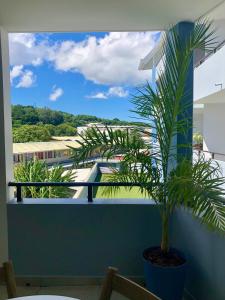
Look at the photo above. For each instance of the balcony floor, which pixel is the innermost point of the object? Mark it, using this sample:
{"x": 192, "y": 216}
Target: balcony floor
{"x": 81, "y": 292}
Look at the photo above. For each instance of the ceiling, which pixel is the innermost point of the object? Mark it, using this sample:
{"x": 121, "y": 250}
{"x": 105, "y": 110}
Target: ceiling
{"x": 99, "y": 15}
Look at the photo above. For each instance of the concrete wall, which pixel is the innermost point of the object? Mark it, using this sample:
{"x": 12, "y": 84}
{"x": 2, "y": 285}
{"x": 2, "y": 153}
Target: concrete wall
{"x": 213, "y": 129}
{"x": 80, "y": 240}
{"x": 91, "y": 178}
{"x": 205, "y": 252}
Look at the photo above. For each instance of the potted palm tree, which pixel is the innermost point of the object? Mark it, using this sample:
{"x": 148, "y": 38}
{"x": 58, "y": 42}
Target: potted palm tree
{"x": 166, "y": 171}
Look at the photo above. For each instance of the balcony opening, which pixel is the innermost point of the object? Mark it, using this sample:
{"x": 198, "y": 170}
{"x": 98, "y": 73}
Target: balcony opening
{"x": 62, "y": 86}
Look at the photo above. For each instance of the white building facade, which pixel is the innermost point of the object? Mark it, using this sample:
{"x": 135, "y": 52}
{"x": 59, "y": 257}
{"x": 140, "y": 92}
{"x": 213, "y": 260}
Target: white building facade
{"x": 209, "y": 93}
{"x": 209, "y": 88}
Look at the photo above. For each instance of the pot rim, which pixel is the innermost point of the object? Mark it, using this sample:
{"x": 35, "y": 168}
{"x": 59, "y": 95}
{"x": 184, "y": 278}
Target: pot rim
{"x": 165, "y": 267}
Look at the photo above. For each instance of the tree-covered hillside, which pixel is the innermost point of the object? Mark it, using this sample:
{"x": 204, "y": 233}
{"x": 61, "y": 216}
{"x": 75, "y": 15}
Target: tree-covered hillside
{"x": 30, "y": 115}
{"x": 32, "y": 124}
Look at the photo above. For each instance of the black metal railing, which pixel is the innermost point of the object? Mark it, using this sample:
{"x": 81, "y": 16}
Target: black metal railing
{"x": 89, "y": 185}
{"x": 211, "y": 153}
{"x": 218, "y": 47}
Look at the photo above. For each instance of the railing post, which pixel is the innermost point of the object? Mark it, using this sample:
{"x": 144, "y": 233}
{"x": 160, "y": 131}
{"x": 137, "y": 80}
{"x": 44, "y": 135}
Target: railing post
{"x": 19, "y": 194}
{"x": 90, "y": 193}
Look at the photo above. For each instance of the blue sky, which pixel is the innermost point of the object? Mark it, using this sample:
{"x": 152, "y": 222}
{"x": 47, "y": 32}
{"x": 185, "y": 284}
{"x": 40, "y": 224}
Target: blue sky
{"x": 80, "y": 73}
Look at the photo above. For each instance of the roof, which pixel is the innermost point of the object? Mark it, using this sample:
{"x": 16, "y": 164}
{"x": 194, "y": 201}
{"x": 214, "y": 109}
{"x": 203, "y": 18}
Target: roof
{"x": 31, "y": 147}
{"x": 99, "y": 15}
{"x": 213, "y": 98}
{"x": 65, "y": 138}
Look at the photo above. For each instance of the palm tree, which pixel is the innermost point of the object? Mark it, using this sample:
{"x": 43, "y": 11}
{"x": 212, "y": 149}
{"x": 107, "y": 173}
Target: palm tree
{"x": 169, "y": 178}
{"x": 37, "y": 171}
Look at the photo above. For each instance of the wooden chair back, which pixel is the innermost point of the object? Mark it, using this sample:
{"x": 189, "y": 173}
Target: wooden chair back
{"x": 124, "y": 286}
{"x": 8, "y": 277}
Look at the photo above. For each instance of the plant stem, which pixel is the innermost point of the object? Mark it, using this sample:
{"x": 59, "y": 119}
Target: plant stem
{"x": 165, "y": 233}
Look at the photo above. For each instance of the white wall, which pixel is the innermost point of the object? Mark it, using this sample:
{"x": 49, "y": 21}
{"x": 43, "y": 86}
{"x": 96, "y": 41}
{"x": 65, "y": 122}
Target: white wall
{"x": 214, "y": 127}
{"x": 211, "y": 72}
{"x": 83, "y": 193}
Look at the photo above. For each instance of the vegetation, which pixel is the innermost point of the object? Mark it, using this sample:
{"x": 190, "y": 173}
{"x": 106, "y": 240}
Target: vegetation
{"x": 41, "y": 133}
{"x": 64, "y": 130}
{"x": 166, "y": 171}
{"x": 197, "y": 138}
{"x": 34, "y": 133}
{"x": 30, "y": 115}
{"x": 36, "y": 171}
{"x": 31, "y": 124}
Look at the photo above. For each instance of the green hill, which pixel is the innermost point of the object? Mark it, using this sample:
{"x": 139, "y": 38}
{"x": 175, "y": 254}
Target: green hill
{"x": 30, "y": 115}
{"x": 32, "y": 124}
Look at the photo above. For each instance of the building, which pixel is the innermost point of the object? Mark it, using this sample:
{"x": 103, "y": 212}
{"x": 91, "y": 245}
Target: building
{"x": 50, "y": 152}
{"x": 209, "y": 88}
{"x": 102, "y": 127}
{"x": 210, "y": 96}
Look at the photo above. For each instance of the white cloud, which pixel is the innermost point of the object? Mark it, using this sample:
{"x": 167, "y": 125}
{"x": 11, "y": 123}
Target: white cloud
{"x": 111, "y": 60}
{"x": 118, "y": 91}
{"x": 15, "y": 72}
{"x": 24, "y": 49}
{"x": 115, "y": 91}
{"x": 24, "y": 78}
{"x": 26, "y": 39}
{"x": 100, "y": 95}
{"x": 56, "y": 93}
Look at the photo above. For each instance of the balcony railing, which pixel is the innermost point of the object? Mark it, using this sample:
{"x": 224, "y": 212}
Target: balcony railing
{"x": 89, "y": 185}
{"x": 218, "y": 47}
{"x": 214, "y": 155}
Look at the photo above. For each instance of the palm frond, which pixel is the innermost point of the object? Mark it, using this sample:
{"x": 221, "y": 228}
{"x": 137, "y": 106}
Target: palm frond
{"x": 199, "y": 186}
{"x": 135, "y": 173}
{"x": 107, "y": 144}
{"x": 37, "y": 171}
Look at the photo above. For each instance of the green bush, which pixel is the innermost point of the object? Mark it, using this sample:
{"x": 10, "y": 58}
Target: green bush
{"x": 65, "y": 130}
{"x": 31, "y": 133}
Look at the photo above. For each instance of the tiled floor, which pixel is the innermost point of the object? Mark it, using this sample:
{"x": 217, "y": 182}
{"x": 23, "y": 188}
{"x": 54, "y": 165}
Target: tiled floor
{"x": 80, "y": 292}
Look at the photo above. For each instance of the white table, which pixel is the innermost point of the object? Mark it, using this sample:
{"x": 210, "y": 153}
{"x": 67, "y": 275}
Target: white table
{"x": 45, "y": 297}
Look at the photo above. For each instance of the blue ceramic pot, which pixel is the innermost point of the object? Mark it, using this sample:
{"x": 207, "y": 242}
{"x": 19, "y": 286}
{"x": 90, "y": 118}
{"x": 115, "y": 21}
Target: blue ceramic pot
{"x": 165, "y": 282}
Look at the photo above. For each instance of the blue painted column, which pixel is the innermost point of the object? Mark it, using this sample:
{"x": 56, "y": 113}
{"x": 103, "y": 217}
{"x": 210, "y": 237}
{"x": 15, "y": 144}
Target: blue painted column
{"x": 184, "y": 30}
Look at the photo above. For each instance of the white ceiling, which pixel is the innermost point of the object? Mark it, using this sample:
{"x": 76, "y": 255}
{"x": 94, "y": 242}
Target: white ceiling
{"x": 99, "y": 15}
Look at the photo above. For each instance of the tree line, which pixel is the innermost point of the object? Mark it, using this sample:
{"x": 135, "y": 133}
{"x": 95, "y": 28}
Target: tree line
{"x": 30, "y": 115}
{"x": 40, "y": 124}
